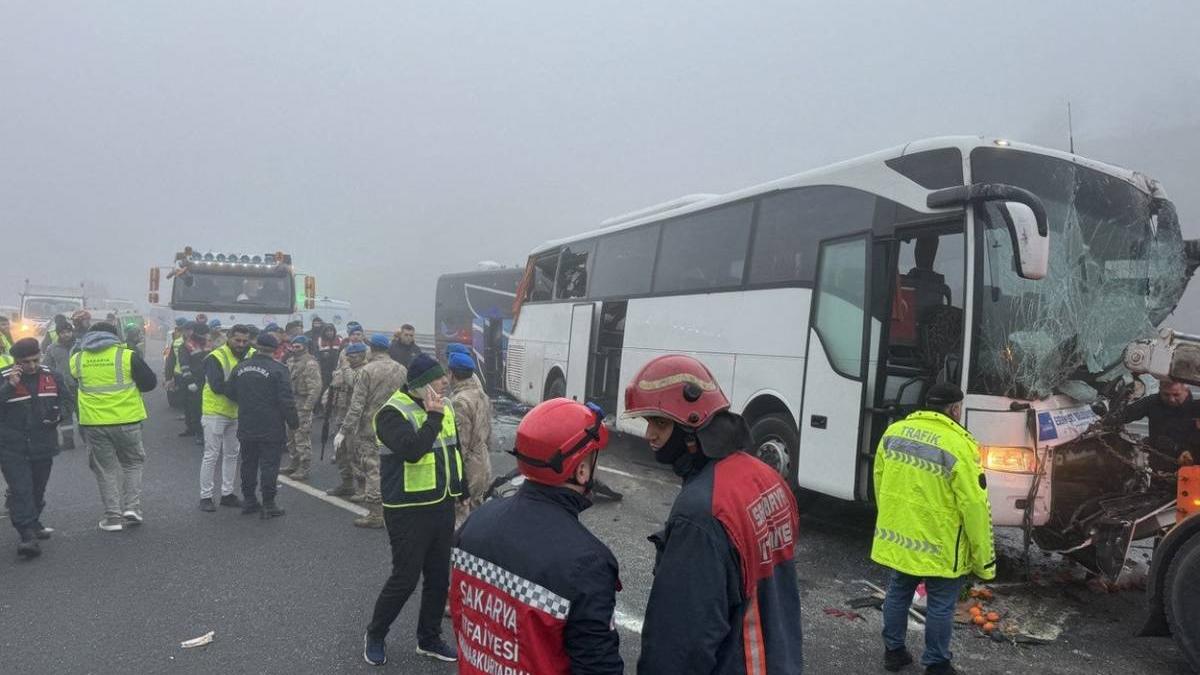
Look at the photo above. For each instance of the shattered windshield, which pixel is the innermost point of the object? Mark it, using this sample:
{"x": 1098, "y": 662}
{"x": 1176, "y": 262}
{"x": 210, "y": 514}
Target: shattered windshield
{"x": 1111, "y": 279}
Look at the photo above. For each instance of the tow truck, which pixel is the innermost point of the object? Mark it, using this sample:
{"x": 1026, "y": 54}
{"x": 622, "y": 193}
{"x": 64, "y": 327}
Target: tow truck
{"x": 1173, "y": 586}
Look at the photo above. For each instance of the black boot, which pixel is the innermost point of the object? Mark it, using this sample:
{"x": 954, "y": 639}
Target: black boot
{"x": 250, "y": 506}
{"x": 270, "y": 510}
{"x": 28, "y": 548}
{"x": 943, "y": 668}
{"x": 896, "y": 659}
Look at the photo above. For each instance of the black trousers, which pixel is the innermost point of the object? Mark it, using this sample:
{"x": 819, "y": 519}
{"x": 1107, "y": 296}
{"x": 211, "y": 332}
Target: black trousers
{"x": 260, "y": 460}
{"x": 26, "y": 490}
{"x": 192, "y": 405}
{"x": 420, "y": 538}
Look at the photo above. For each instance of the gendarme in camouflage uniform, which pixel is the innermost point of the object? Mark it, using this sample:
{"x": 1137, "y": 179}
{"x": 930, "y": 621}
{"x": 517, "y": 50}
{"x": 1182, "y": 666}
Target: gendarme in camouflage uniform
{"x": 342, "y": 386}
{"x": 306, "y": 386}
{"x": 473, "y": 418}
{"x": 374, "y": 385}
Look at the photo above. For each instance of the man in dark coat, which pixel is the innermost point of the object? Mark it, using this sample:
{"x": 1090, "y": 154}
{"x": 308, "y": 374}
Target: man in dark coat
{"x": 32, "y": 399}
{"x": 262, "y": 388}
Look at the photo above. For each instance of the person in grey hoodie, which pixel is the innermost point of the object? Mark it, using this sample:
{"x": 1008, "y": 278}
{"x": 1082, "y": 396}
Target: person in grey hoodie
{"x": 57, "y": 357}
{"x": 111, "y": 378}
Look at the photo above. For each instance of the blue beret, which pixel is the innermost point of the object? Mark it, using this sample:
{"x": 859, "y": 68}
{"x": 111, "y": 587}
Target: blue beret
{"x": 461, "y": 361}
{"x": 356, "y": 348}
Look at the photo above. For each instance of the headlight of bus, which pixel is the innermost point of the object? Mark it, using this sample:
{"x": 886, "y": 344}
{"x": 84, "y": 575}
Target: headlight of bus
{"x": 1008, "y": 459}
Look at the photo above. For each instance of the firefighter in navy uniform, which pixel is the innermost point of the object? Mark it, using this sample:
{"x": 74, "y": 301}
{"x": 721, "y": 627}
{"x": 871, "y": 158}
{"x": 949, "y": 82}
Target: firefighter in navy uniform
{"x": 531, "y": 554}
{"x": 32, "y": 399}
{"x": 725, "y": 597}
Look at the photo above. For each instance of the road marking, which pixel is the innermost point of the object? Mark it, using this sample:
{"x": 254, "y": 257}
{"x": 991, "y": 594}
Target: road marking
{"x": 320, "y": 494}
{"x": 630, "y": 622}
{"x": 632, "y": 476}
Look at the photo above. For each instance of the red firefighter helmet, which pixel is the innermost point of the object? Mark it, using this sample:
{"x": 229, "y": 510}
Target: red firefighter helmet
{"x": 677, "y": 387}
{"x": 555, "y": 438}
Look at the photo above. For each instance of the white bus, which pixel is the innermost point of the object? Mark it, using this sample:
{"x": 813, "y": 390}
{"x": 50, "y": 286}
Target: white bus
{"x": 826, "y": 303}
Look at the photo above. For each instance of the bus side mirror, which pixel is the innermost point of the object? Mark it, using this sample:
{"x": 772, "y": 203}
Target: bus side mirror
{"x": 1032, "y": 249}
{"x": 1024, "y": 215}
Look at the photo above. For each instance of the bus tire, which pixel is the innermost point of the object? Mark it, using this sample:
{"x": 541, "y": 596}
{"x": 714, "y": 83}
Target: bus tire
{"x": 556, "y": 387}
{"x": 1181, "y": 593}
{"x": 777, "y": 443}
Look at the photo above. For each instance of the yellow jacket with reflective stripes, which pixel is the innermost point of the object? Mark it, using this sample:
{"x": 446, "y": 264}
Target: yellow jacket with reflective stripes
{"x": 6, "y": 359}
{"x": 107, "y": 393}
{"x": 934, "y": 517}
{"x": 436, "y": 476}
{"x": 212, "y": 403}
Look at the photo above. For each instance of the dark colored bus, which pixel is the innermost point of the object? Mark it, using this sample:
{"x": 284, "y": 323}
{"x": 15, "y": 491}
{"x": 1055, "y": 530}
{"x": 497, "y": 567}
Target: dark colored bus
{"x": 476, "y": 309}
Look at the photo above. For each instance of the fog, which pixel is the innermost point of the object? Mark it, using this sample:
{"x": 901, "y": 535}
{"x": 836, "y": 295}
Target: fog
{"x": 383, "y": 144}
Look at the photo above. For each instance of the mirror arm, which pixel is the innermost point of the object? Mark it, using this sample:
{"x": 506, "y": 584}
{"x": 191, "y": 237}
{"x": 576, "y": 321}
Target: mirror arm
{"x": 987, "y": 192}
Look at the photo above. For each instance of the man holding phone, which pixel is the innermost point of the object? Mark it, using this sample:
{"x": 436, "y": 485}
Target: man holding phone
{"x": 421, "y": 472}
{"x": 32, "y": 399}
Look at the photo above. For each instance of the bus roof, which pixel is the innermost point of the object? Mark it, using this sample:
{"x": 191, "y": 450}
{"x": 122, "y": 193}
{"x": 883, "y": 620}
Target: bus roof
{"x": 842, "y": 173}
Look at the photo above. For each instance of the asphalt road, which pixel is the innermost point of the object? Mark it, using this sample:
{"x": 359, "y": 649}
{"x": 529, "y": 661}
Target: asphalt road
{"x": 293, "y": 595}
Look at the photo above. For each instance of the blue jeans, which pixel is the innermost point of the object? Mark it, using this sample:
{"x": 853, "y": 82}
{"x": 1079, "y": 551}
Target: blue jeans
{"x": 941, "y": 596}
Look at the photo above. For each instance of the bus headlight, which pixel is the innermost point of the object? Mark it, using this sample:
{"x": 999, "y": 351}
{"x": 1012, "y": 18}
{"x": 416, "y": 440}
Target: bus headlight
{"x": 1008, "y": 459}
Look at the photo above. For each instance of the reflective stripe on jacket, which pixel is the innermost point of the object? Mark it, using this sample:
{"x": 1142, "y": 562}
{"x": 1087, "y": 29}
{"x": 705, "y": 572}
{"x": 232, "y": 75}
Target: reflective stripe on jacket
{"x": 433, "y": 478}
{"x": 934, "y": 517}
{"x": 107, "y": 392}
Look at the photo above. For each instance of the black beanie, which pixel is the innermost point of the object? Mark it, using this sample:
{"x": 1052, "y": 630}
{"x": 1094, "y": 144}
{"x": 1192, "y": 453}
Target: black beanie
{"x": 24, "y": 348}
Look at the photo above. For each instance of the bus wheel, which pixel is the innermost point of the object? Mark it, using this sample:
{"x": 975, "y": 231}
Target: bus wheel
{"x": 1181, "y": 592}
{"x": 557, "y": 388}
{"x": 775, "y": 442}
{"x": 774, "y": 439}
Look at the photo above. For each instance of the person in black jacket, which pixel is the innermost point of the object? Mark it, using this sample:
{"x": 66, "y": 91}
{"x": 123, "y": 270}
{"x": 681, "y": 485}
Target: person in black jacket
{"x": 404, "y": 345}
{"x": 534, "y": 541}
{"x": 262, "y": 388}
{"x": 725, "y": 597}
{"x": 32, "y": 399}
{"x": 1174, "y": 417}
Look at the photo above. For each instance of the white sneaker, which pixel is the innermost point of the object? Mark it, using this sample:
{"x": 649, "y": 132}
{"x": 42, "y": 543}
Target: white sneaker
{"x": 112, "y": 524}
{"x": 132, "y": 518}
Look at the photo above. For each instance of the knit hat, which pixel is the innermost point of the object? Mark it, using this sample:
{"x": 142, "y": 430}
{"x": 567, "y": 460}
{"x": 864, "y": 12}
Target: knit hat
{"x": 300, "y": 340}
{"x": 272, "y": 328}
{"x": 267, "y": 341}
{"x": 354, "y": 326}
{"x": 462, "y": 362}
{"x": 457, "y": 348}
{"x": 214, "y": 324}
{"x": 423, "y": 370}
{"x": 104, "y": 327}
{"x": 943, "y": 394}
{"x": 24, "y": 348}
{"x": 180, "y": 322}
{"x": 355, "y": 348}
{"x": 200, "y": 329}
{"x": 379, "y": 341}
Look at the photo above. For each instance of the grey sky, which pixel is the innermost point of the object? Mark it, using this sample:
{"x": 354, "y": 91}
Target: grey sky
{"x": 386, "y": 143}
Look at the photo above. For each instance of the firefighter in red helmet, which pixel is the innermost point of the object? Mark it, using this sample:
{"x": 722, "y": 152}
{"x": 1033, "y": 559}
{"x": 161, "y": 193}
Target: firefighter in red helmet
{"x": 531, "y": 589}
{"x": 725, "y": 597}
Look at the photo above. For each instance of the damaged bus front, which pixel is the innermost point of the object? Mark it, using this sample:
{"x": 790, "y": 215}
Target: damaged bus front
{"x": 1046, "y": 355}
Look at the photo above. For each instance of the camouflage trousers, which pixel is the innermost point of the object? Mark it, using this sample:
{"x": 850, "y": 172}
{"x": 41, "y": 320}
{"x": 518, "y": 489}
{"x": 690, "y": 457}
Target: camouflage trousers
{"x": 477, "y": 470}
{"x": 300, "y": 444}
{"x": 366, "y": 456}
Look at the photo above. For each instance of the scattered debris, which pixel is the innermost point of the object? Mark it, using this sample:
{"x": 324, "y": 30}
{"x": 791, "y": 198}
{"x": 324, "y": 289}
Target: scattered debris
{"x": 205, "y": 639}
{"x": 844, "y": 614}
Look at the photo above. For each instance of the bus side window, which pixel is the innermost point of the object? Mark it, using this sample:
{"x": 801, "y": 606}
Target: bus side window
{"x": 573, "y": 271}
{"x": 544, "y": 268}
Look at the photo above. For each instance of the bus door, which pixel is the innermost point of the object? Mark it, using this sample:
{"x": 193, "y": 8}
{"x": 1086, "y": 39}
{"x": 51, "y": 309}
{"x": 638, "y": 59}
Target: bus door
{"x": 579, "y": 351}
{"x": 917, "y": 306}
{"x": 835, "y": 369}
{"x": 606, "y": 369}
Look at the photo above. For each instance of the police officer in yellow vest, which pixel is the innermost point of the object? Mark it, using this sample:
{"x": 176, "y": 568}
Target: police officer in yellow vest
{"x": 421, "y": 477}
{"x": 934, "y": 523}
{"x": 111, "y": 379}
{"x": 219, "y": 419}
